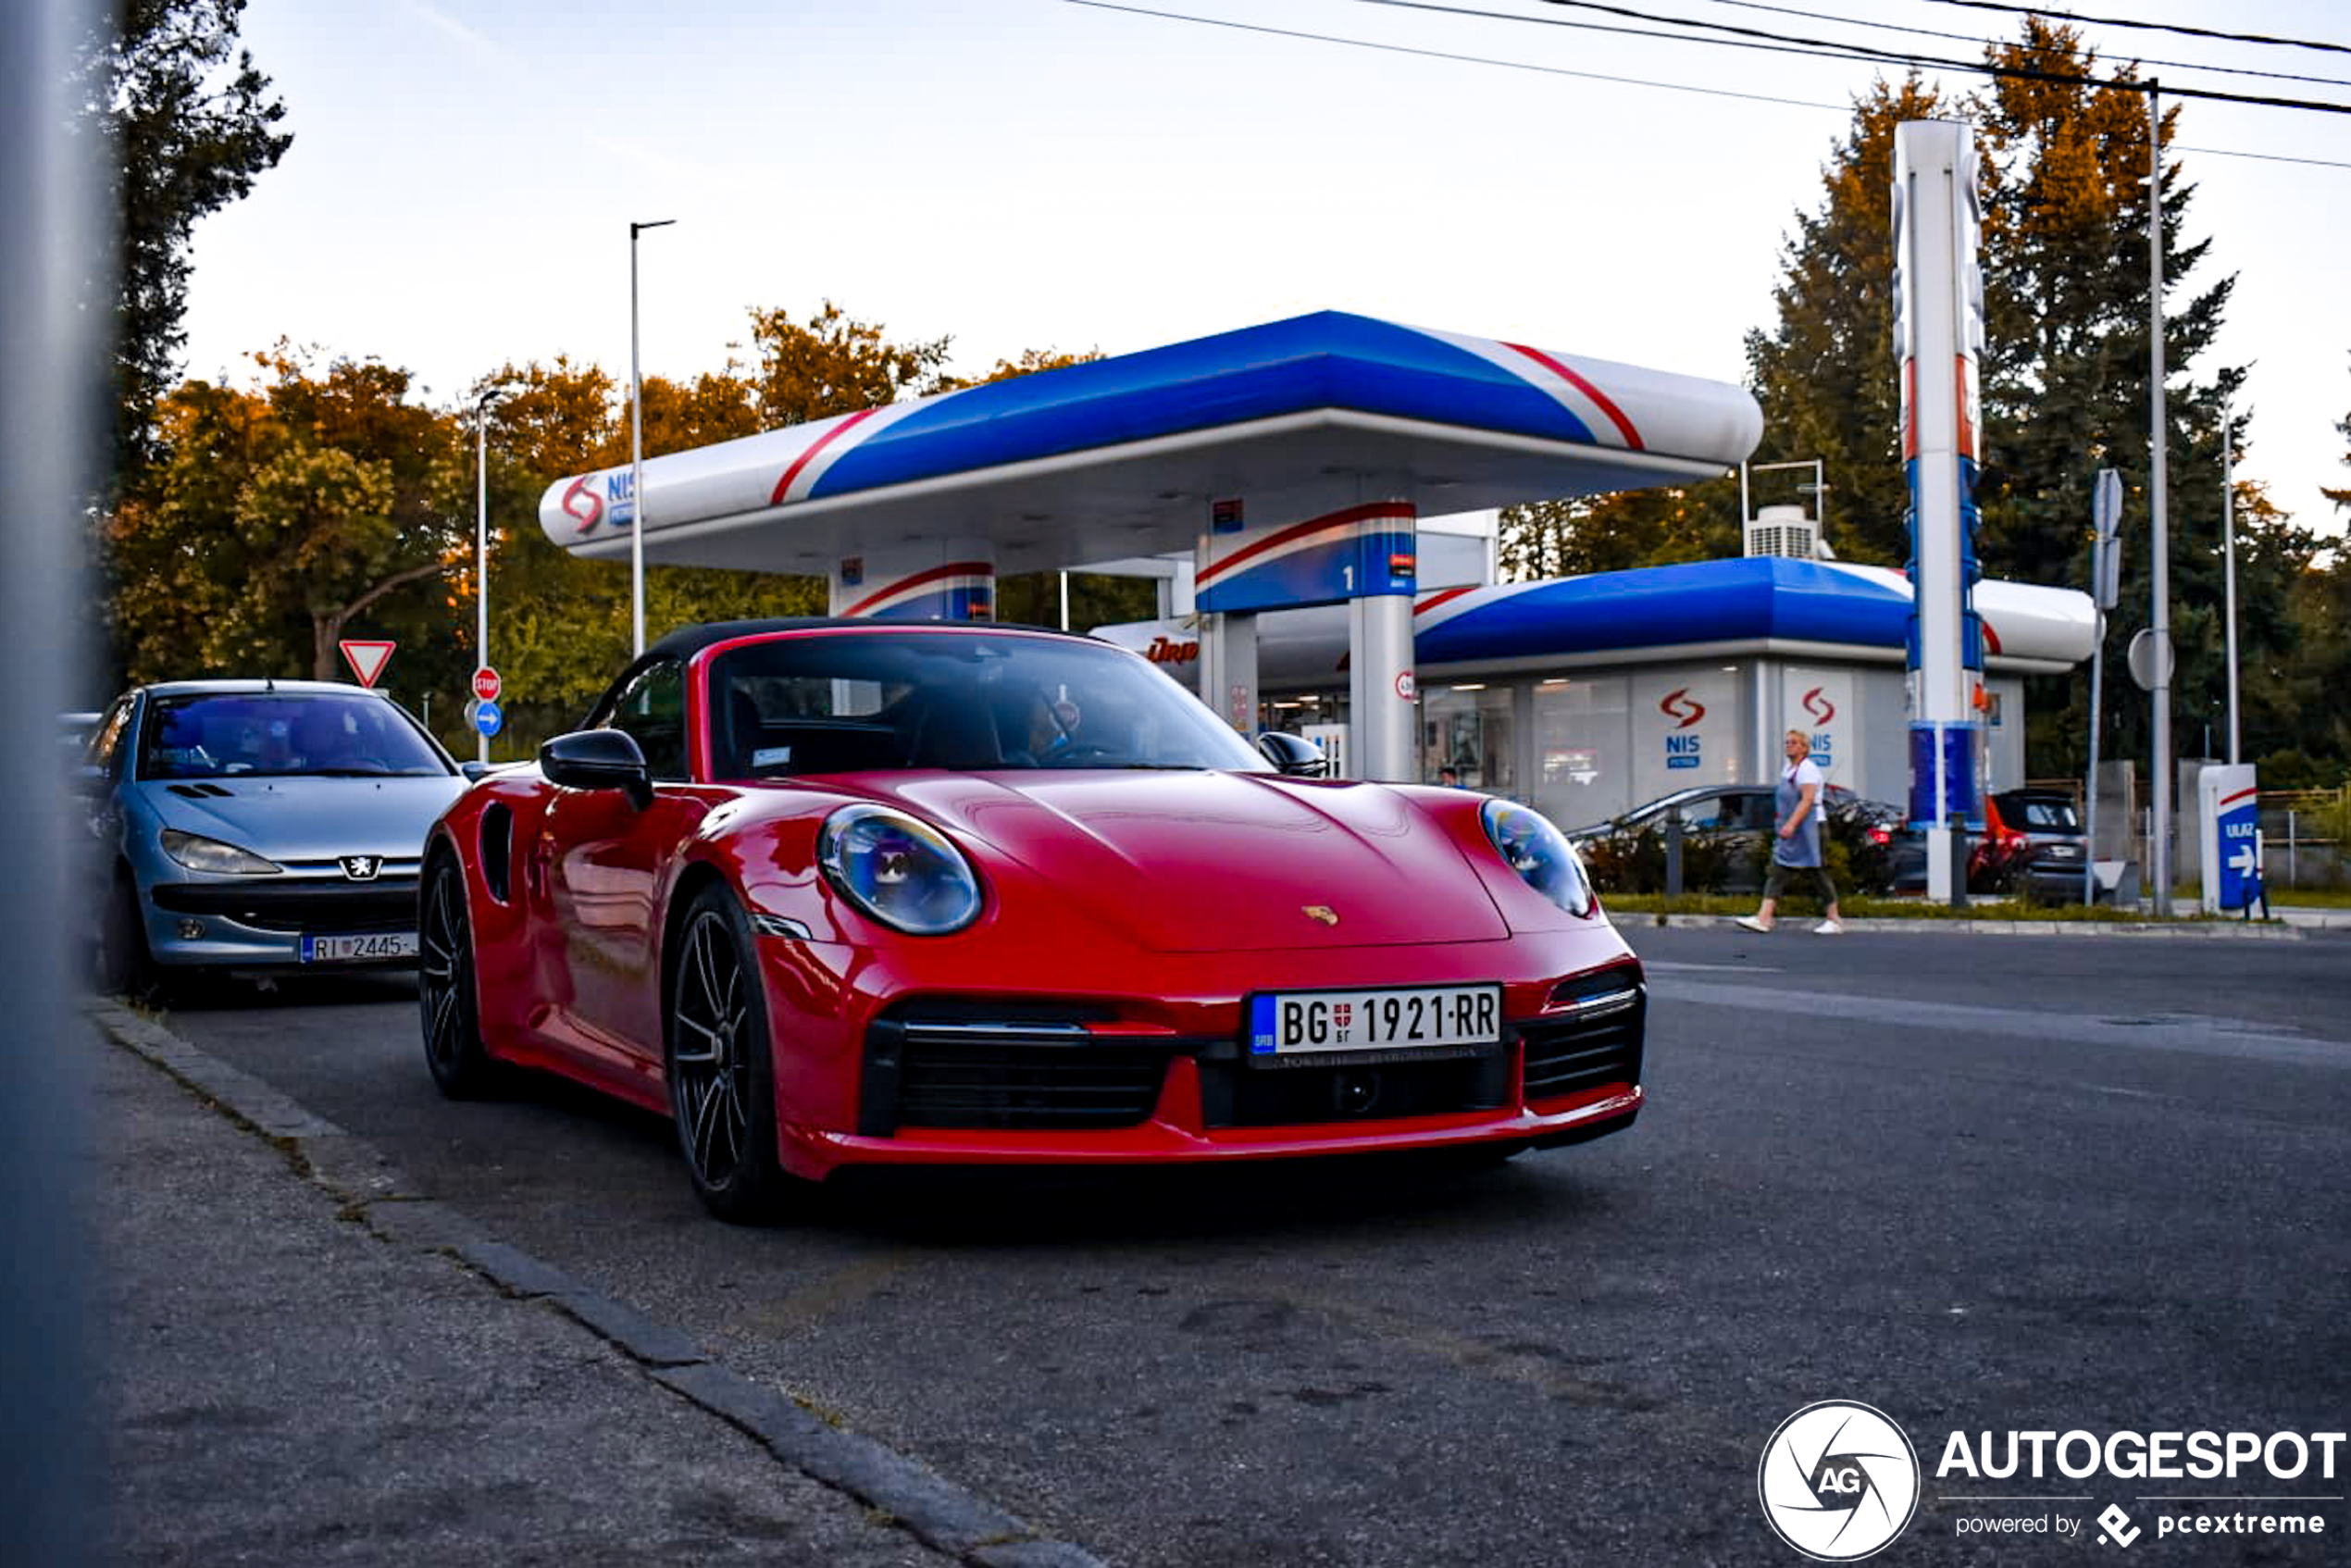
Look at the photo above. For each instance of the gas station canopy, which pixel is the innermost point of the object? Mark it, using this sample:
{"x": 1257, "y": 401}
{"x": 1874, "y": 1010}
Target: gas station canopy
{"x": 1126, "y": 456}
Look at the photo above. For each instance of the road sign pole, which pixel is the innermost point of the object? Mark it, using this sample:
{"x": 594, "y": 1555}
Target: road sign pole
{"x": 2106, "y": 574}
{"x": 2090, "y": 795}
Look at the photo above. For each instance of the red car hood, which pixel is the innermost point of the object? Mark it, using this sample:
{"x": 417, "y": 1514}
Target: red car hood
{"x": 1186, "y": 862}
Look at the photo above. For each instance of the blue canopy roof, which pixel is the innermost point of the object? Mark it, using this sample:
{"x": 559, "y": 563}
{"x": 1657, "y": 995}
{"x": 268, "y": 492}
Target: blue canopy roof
{"x": 1122, "y": 456}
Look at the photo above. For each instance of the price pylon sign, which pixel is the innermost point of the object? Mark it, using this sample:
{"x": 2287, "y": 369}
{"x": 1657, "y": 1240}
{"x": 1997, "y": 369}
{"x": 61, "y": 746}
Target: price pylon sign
{"x": 366, "y": 658}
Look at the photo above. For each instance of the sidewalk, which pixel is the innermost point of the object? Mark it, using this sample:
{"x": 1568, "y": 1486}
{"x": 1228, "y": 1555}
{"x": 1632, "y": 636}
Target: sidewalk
{"x": 2285, "y": 928}
{"x": 305, "y": 1366}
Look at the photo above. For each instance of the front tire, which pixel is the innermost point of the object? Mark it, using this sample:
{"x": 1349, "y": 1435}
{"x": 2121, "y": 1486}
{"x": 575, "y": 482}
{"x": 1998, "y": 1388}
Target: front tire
{"x": 722, "y": 1092}
{"x": 448, "y": 1006}
{"x": 126, "y": 966}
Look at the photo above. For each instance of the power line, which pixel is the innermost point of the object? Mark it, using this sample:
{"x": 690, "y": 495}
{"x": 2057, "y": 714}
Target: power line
{"x": 1464, "y": 59}
{"x": 1777, "y": 42}
{"x": 1973, "y": 37}
{"x": 1595, "y": 75}
{"x": 2153, "y": 26}
{"x": 2265, "y": 158}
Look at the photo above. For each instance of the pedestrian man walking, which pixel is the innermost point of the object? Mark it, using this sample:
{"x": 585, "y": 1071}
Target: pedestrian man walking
{"x": 1795, "y": 847}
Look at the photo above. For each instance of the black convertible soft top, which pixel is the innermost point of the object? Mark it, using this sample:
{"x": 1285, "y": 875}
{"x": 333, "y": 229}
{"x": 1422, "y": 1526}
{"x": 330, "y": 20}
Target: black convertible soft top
{"x": 687, "y": 641}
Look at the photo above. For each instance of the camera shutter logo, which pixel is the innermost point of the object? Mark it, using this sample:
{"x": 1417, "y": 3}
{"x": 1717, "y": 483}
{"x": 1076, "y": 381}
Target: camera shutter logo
{"x": 1838, "y": 1481}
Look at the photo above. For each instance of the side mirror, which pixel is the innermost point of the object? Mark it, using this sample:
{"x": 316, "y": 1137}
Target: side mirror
{"x": 599, "y": 759}
{"x": 475, "y": 770}
{"x": 1293, "y": 755}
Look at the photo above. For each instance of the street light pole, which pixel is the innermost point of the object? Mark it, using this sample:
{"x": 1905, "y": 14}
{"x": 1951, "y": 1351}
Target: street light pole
{"x": 481, "y": 543}
{"x": 2229, "y": 557}
{"x": 2159, "y": 542}
{"x": 637, "y": 449}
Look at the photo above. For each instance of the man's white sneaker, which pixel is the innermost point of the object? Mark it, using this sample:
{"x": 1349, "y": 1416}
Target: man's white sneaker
{"x": 1752, "y": 923}
{"x": 1829, "y": 928}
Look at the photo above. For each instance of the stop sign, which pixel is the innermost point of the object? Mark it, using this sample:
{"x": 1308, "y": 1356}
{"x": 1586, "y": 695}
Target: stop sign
{"x": 487, "y": 685}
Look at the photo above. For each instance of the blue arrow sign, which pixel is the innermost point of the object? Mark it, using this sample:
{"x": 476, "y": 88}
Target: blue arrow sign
{"x": 488, "y": 718}
{"x": 2240, "y": 861}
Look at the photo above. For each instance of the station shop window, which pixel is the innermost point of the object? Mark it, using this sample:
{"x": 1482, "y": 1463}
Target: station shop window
{"x": 1469, "y": 727}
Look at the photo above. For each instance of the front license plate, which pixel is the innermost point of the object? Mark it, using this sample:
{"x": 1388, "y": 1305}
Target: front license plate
{"x": 359, "y": 948}
{"x": 1424, "y": 1017}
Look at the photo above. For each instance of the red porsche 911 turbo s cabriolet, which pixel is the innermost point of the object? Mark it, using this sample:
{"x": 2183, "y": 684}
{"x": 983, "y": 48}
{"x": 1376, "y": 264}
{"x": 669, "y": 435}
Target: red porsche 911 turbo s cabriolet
{"x": 846, "y": 893}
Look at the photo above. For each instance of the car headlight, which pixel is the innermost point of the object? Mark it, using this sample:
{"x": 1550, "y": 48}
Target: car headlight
{"x": 1539, "y": 852}
{"x": 198, "y": 853}
{"x": 904, "y": 872}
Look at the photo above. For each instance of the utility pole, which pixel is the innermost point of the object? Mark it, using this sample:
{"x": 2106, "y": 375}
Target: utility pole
{"x": 2229, "y": 559}
{"x": 637, "y": 449}
{"x": 2158, "y": 431}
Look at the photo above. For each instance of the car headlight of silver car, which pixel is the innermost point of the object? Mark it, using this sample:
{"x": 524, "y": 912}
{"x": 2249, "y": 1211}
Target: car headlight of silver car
{"x": 904, "y": 872}
{"x": 199, "y": 853}
{"x": 1539, "y": 852}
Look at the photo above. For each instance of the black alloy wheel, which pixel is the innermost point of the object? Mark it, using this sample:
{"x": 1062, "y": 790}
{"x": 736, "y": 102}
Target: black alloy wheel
{"x": 721, "y": 1079}
{"x": 447, "y": 1006}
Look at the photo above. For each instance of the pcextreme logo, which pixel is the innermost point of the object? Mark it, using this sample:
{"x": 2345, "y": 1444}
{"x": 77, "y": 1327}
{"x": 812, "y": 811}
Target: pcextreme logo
{"x": 1678, "y": 704}
{"x": 1838, "y": 1480}
{"x": 1819, "y": 706}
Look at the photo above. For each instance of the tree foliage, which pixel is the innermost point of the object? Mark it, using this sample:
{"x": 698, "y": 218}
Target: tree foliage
{"x": 323, "y": 503}
{"x": 276, "y": 517}
{"x": 191, "y": 123}
{"x": 2065, "y": 394}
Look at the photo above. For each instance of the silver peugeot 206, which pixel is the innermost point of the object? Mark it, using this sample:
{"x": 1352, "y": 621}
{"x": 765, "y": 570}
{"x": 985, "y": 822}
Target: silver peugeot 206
{"x": 257, "y": 825}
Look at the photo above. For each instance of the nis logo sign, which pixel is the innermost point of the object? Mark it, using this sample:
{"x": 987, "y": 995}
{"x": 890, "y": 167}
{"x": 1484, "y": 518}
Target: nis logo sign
{"x": 1682, "y": 743}
{"x": 1822, "y": 712}
{"x": 589, "y": 499}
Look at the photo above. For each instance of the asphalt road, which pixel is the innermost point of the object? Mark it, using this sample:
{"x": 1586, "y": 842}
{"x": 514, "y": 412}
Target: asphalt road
{"x": 1981, "y": 1183}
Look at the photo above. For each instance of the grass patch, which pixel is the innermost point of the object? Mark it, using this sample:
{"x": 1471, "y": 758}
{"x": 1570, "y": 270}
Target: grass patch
{"x": 2311, "y": 897}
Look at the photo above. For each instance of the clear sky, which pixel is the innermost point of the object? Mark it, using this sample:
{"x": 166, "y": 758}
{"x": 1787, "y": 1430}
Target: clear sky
{"x": 1038, "y": 173}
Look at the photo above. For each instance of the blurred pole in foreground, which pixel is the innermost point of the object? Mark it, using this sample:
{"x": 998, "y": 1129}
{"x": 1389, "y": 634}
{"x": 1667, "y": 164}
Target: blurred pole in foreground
{"x": 51, "y": 363}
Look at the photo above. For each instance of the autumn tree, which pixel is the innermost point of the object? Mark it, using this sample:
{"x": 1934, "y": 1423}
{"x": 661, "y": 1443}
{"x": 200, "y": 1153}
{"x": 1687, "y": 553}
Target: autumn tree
{"x": 1619, "y": 531}
{"x": 560, "y": 626}
{"x": 191, "y": 123}
{"x": 276, "y": 518}
{"x": 2064, "y": 377}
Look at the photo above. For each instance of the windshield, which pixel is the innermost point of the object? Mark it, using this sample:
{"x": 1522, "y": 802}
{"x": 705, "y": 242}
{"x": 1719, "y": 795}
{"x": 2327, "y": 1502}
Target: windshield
{"x": 214, "y": 735}
{"x": 866, "y": 702}
{"x": 2041, "y": 816}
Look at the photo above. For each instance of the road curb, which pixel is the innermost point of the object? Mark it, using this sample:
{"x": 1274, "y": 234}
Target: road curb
{"x": 2208, "y": 930}
{"x": 916, "y": 1498}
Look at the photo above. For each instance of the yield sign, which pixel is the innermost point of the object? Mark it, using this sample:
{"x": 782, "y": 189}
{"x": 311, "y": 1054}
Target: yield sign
{"x": 368, "y": 659}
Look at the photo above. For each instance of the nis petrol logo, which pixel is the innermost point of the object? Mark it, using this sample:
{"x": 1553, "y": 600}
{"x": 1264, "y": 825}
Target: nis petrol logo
{"x": 583, "y": 503}
{"x": 1817, "y": 708}
{"x": 1681, "y": 743}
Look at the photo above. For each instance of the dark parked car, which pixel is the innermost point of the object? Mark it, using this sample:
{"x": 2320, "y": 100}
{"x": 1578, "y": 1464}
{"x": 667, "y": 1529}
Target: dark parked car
{"x": 1726, "y": 830}
{"x": 2031, "y": 845}
{"x": 2047, "y": 854}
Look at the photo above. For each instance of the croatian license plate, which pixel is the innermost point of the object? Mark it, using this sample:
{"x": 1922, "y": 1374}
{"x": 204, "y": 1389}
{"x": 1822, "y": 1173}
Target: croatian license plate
{"x": 1420, "y": 1019}
{"x": 359, "y": 948}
